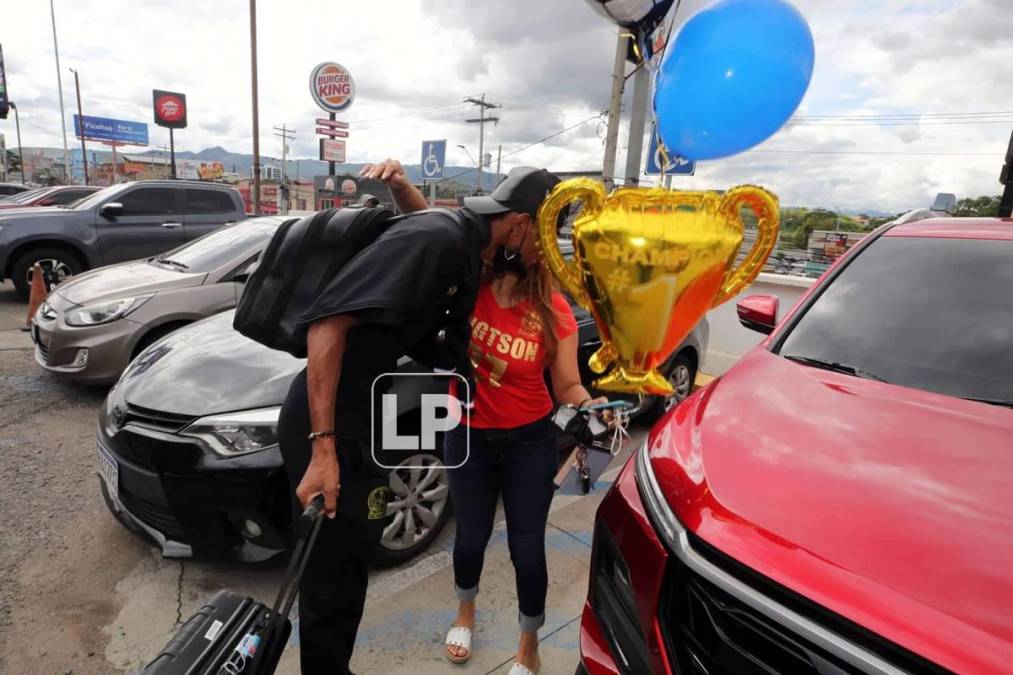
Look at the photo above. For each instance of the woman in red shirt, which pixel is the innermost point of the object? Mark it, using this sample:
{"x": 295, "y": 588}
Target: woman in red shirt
{"x": 520, "y": 327}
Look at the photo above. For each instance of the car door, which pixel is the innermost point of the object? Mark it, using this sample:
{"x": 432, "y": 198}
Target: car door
{"x": 205, "y": 211}
{"x": 150, "y": 223}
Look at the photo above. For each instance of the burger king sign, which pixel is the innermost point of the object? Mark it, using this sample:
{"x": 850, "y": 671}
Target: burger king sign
{"x": 332, "y": 87}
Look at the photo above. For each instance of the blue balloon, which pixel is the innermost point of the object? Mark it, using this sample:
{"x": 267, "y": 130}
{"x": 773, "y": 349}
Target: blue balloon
{"x": 732, "y": 77}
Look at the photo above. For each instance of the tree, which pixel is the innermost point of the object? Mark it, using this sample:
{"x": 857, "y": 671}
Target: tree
{"x": 977, "y": 206}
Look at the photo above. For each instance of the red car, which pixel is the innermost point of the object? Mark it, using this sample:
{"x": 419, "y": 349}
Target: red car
{"x": 841, "y": 501}
{"x": 59, "y": 195}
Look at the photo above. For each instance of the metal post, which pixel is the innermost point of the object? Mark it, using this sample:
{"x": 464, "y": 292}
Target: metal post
{"x": 172, "y": 154}
{"x": 21, "y": 154}
{"x": 615, "y": 101}
{"x": 59, "y": 84}
{"x": 638, "y": 124}
{"x": 256, "y": 111}
{"x": 432, "y": 193}
{"x": 330, "y": 165}
{"x": 114, "y": 162}
{"x": 80, "y": 116}
{"x": 499, "y": 157}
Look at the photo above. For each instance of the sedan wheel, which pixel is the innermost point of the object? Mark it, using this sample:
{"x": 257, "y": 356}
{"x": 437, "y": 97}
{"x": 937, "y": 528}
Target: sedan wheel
{"x": 418, "y": 510}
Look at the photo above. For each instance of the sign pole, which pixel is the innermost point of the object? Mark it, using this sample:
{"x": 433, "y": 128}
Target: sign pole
{"x": 172, "y": 154}
{"x": 432, "y": 193}
{"x": 80, "y": 115}
{"x": 114, "y": 162}
{"x": 331, "y": 164}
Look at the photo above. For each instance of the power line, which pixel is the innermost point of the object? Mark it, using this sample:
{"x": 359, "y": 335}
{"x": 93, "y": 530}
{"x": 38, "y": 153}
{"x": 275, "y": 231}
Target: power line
{"x": 529, "y": 145}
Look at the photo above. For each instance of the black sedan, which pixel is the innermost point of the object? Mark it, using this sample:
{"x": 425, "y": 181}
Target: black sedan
{"x": 188, "y": 449}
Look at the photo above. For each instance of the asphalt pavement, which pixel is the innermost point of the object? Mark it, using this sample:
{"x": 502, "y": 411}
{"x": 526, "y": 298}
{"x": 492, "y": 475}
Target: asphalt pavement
{"x": 80, "y": 594}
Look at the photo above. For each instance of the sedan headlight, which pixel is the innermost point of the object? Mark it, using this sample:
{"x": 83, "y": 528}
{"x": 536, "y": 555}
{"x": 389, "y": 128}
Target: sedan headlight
{"x": 239, "y": 433}
{"x": 105, "y": 312}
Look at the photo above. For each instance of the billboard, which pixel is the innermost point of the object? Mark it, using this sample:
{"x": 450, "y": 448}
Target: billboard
{"x": 109, "y": 130}
{"x": 332, "y": 87}
{"x": 5, "y": 102}
{"x": 170, "y": 108}
{"x": 196, "y": 169}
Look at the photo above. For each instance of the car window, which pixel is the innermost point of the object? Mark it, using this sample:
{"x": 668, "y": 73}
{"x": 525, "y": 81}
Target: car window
{"x": 22, "y": 197}
{"x": 208, "y": 201}
{"x": 223, "y": 246}
{"x": 929, "y": 313}
{"x": 150, "y": 201}
{"x": 68, "y": 196}
{"x": 10, "y": 189}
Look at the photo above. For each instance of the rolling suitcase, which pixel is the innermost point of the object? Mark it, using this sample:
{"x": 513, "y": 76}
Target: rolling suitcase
{"x": 234, "y": 634}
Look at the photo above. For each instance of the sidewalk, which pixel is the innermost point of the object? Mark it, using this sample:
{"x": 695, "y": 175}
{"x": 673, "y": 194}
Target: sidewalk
{"x": 408, "y": 612}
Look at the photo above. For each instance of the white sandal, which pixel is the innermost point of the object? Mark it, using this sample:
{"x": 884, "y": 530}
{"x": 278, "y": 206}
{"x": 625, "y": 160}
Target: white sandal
{"x": 521, "y": 669}
{"x": 458, "y": 636}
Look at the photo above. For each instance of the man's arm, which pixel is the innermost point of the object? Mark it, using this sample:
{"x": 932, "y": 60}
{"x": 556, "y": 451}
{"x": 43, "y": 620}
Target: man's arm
{"x": 326, "y": 352}
{"x": 405, "y": 195}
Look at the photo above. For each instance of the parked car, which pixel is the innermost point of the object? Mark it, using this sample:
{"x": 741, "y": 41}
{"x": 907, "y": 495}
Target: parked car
{"x": 838, "y": 501}
{"x": 123, "y": 222}
{"x": 188, "y": 448}
{"x": 60, "y": 195}
{"x": 91, "y": 326}
{"x": 7, "y": 189}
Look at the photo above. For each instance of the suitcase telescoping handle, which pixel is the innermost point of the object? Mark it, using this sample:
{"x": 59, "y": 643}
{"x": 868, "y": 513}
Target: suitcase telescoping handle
{"x": 307, "y": 527}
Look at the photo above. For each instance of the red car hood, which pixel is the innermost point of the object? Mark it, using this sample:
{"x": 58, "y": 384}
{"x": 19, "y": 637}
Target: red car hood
{"x": 890, "y": 506}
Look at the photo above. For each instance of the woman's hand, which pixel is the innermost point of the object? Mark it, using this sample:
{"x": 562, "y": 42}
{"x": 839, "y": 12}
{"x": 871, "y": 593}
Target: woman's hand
{"x": 389, "y": 171}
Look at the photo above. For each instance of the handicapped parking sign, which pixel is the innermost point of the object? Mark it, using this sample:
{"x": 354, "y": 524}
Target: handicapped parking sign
{"x": 433, "y": 155}
{"x": 676, "y": 166}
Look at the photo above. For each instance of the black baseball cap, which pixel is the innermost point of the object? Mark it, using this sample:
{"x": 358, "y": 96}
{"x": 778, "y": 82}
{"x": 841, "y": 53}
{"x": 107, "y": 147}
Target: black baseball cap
{"x": 523, "y": 190}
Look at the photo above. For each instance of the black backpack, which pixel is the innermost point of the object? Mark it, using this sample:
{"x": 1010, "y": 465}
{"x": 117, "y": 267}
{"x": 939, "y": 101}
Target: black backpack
{"x": 297, "y": 265}
{"x": 303, "y": 256}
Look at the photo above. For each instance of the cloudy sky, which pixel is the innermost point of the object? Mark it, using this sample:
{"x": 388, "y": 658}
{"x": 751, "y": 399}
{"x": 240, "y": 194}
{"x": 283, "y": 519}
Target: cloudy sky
{"x": 886, "y": 124}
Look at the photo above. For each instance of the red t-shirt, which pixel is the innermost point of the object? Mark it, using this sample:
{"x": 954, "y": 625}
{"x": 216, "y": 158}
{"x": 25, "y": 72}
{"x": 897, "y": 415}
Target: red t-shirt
{"x": 508, "y": 353}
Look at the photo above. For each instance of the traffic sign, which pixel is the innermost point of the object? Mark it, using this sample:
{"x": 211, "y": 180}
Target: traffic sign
{"x": 433, "y": 155}
{"x": 677, "y": 166}
{"x": 335, "y": 124}
{"x": 333, "y": 133}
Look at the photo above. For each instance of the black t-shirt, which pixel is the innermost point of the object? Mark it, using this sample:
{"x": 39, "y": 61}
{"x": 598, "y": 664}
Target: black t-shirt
{"x": 420, "y": 277}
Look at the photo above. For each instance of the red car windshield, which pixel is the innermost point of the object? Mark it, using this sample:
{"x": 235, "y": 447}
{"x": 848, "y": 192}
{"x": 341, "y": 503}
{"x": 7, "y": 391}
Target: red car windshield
{"x": 932, "y": 314}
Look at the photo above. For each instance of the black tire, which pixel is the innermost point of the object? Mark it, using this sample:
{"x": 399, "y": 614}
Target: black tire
{"x": 387, "y": 554}
{"x": 681, "y": 367}
{"x": 63, "y": 261}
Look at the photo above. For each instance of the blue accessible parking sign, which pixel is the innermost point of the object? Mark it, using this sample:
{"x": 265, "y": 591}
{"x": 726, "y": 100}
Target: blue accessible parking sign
{"x": 433, "y": 155}
{"x": 677, "y": 166}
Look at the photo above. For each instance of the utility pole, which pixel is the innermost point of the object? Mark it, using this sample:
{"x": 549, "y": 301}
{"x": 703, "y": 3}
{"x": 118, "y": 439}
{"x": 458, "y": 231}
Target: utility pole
{"x": 638, "y": 124}
{"x": 21, "y": 154}
{"x": 499, "y": 157}
{"x": 256, "y": 111}
{"x": 615, "y": 103}
{"x": 286, "y": 136}
{"x": 481, "y": 121}
{"x": 59, "y": 85}
{"x": 80, "y": 117}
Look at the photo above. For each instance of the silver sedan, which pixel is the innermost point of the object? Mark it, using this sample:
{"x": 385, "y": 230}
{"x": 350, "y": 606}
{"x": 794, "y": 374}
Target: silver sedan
{"x": 92, "y": 326}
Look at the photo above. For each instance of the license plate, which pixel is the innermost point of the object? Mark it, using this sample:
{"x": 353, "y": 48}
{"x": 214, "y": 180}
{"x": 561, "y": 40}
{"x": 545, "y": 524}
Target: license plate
{"x": 109, "y": 470}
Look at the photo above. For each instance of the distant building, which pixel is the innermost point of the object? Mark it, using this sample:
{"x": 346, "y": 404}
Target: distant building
{"x": 268, "y": 173}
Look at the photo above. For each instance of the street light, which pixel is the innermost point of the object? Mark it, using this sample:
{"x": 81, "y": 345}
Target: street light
{"x": 80, "y": 121}
{"x": 21, "y": 155}
{"x": 59, "y": 86}
{"x": 469, "y": 155}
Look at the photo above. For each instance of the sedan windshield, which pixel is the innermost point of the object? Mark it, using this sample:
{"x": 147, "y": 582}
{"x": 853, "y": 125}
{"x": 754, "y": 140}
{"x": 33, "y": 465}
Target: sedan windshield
{"x": 221, "y": 247}
{"x": 933, "y": 314}
{"x": 22, "y": 197}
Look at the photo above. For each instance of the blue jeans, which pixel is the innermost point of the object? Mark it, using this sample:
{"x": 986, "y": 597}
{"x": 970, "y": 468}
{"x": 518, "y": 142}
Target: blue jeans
{"x": 520, "y": 464}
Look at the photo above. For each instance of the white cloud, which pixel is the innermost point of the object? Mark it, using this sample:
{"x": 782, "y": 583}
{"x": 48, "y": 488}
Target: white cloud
{"x": 548, "y": 62}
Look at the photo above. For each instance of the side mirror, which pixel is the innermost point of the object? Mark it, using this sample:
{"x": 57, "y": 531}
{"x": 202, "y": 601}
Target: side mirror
{"x": 758, "y": 312}
{"x": 111, "y": 210}
{"x": 48, "y": 201}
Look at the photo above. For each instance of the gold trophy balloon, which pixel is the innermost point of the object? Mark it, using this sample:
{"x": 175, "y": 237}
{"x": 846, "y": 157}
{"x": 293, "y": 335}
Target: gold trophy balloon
{"x": 648, "y": 263}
